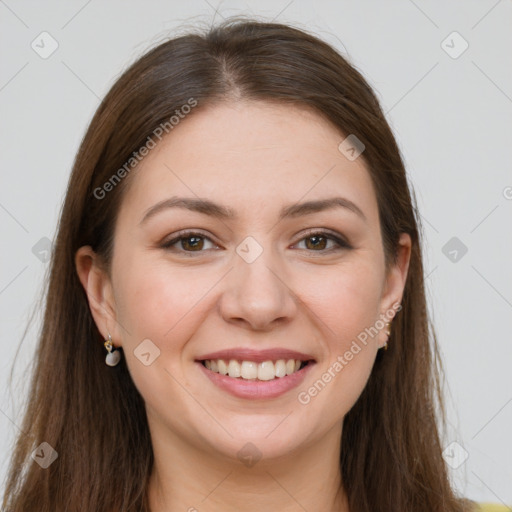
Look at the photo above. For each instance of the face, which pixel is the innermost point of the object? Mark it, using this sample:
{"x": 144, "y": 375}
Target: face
{"x": 253, "y": 276}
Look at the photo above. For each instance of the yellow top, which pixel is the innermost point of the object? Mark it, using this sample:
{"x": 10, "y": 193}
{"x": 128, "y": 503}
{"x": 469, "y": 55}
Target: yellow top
{"x": 492, "y": 507}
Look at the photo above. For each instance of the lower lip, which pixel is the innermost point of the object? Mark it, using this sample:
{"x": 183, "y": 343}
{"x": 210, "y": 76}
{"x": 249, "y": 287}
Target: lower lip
{"x": 257, "y": 389}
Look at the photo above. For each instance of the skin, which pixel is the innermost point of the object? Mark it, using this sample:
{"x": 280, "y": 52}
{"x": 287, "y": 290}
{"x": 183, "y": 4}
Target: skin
{"x": 255, "y": 158}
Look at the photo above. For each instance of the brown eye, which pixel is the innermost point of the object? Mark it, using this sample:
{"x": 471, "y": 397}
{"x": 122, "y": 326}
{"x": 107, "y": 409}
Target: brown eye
{"x": 318, "y": 242}
{"x": 188, "y": 242}
{"x": 192, "y": 243}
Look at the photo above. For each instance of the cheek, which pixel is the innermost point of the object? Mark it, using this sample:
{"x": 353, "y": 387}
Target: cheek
{"x": 346, "y": 300}
{"x": 154, "y": 299}
{"x": 348, "y": 305}
{"x": 157, "y": 303}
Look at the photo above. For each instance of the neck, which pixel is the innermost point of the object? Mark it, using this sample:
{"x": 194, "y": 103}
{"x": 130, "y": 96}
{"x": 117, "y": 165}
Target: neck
{"x": 185, "y": 478}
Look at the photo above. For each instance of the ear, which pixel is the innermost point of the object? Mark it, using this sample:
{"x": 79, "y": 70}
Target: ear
{"x": 394, "y": 285}
{"x": 98, "y": 288}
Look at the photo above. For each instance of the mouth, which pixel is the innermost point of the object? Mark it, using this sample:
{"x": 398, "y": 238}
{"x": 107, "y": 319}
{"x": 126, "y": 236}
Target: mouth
{"x": 252, "y": 374}
{"x": 253, "y": 370}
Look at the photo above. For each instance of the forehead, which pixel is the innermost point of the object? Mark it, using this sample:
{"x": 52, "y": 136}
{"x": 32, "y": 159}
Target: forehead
{"x": 250, "y": 155}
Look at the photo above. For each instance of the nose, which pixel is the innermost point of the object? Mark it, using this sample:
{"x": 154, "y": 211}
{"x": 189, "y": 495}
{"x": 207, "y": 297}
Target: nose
{"x": 256, "y": 295}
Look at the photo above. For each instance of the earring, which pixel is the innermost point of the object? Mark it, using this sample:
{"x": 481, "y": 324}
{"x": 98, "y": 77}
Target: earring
{"x": 114, "y": 356}
{"x": 388, "y": 333}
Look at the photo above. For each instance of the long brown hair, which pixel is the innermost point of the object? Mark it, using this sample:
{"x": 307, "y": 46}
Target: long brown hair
{"x": 94, "y": 417}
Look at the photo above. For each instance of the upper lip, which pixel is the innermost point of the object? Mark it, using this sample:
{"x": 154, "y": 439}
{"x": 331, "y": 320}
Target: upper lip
{"x": 258, "y": 356}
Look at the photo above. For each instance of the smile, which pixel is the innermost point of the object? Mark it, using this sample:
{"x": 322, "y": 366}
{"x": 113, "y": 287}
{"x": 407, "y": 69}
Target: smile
{"x": 252, "y": 370}
{"x": 255, "y": 380}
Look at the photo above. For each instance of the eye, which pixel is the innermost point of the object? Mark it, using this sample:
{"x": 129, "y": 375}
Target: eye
{"x": 189, "y": 242}
{"x": 318, "y": 240}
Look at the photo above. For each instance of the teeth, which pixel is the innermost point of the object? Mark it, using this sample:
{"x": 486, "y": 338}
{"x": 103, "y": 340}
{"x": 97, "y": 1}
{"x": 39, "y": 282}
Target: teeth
{"x": 266, "y": 371}
{"x": 234, "y": 369}
{"x": 250, "y": 370}
{"x": 280, "y": 368}
{"x": 222, "y": 366}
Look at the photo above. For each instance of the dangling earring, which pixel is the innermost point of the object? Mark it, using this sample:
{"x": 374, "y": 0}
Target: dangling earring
{"x": 388, "y": 334}
{"x": 114, "y": 356}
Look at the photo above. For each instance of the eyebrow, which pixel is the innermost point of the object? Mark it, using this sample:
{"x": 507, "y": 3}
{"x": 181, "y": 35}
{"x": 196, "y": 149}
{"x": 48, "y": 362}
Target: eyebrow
{"x": 207, "y": 207}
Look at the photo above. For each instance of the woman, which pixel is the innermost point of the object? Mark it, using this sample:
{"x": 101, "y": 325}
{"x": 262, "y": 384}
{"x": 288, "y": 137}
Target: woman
{"x": 237, "y": 250}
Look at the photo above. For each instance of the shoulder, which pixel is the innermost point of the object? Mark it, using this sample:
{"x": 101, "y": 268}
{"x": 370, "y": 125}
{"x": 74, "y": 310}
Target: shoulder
{"x": 492, "y": 507}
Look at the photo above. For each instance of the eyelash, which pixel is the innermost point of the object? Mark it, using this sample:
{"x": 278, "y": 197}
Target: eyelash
{"x": 183, "y": 235}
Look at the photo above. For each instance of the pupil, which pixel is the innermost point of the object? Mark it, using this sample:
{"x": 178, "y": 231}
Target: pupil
{"x": 316, "y": 245}
{"x": 195, "y": 244}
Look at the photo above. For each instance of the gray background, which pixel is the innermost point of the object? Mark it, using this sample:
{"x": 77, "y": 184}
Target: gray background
{"x": 451, "y": 116}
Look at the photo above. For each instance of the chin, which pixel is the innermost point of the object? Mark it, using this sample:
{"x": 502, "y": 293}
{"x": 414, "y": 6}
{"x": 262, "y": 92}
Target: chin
{"x": 259, "y": 438}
